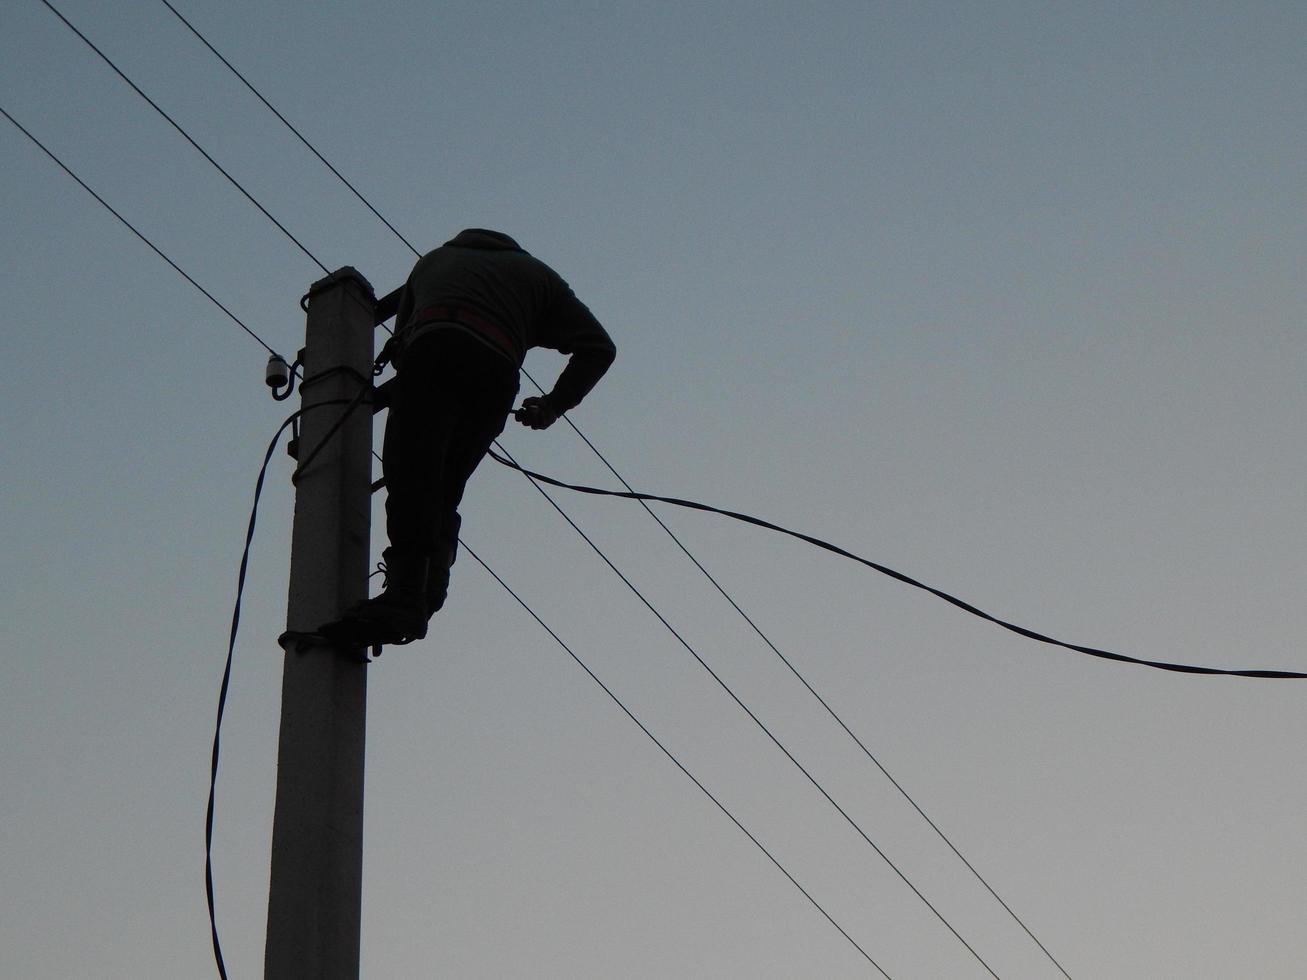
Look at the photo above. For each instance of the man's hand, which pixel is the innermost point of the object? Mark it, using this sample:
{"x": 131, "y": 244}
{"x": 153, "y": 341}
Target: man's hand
{"x": 536, "y": 413}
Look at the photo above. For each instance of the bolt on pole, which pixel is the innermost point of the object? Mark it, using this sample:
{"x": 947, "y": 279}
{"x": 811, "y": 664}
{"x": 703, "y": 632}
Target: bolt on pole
{"x": 315, "y": 888}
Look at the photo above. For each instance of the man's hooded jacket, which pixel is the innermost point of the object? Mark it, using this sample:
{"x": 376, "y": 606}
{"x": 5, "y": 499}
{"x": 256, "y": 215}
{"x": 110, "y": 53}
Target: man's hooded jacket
{"x": 483, "y": 283}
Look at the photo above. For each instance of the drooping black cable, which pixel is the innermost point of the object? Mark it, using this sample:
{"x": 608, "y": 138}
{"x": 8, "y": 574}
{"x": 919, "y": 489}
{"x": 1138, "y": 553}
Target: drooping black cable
{"x": 271, "y": 108}
{"x": 133, "y": 229}
{"x": 226, "y": 672}
{"x": 749, "y": 712}
{"x": 907, "y": 580}
{"x": 675, "y": 761}
{"x": 813, "y": 691}
{"x": 175, "y": 125}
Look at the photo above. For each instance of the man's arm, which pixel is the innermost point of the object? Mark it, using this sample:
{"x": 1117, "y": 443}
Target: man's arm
{"x": 572, "y": 330}
{"x": 584, "y": 369}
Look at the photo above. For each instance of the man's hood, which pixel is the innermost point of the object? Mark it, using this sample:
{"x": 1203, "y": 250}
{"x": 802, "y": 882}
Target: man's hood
{"x": 484, "y": 238}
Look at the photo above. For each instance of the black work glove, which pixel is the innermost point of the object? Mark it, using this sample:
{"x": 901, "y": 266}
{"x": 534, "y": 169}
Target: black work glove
{"x": 536, "y": 413}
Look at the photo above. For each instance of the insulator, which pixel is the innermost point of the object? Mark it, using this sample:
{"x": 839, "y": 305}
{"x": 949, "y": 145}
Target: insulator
{"x": 278, "y": 374}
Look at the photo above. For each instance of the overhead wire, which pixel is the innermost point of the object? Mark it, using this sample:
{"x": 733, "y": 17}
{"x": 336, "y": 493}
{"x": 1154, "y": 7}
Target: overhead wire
{"x": 677, "y": 762}
{"x": 302, "y": 138}
{"x": 208, "y": 156}
{"x": 138, "y": 233}
{"x": 177, "y": 126}
{"x": 752, "y": 716}
{"x": 811, "y": 690}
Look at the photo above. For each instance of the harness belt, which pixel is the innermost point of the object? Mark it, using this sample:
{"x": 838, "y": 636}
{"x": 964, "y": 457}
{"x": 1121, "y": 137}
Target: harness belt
{"x": 467, "y": 317}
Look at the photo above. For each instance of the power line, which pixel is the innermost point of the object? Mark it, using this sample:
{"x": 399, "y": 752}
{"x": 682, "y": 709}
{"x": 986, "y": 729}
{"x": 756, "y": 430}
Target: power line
{"x": 811, "y": 690}
{"x": 175, "y": 125}
{"x": 667, "y": 752}
{"x": 134, "y": 230}
{"x": 302, "y": 138}
{"x": 756, "y": 720}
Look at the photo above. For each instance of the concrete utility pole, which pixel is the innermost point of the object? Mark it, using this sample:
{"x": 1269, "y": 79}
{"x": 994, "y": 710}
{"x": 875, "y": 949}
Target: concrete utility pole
{"x": 315, "y": 894}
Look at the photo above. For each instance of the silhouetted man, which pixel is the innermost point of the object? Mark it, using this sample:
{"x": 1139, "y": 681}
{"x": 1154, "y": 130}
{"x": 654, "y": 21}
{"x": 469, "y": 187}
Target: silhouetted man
{"x": 468, "y": 314}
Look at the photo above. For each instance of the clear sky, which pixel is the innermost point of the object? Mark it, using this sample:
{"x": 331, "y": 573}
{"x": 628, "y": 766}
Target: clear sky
{"x": 1007, "y": 296}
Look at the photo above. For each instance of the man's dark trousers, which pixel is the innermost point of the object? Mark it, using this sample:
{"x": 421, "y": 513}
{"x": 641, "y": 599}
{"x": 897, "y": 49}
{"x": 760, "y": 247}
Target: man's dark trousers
{"x": 452, "y": 401}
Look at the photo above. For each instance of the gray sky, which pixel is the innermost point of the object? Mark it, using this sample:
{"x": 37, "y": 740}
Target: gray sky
{"x": 1007, "y": 296}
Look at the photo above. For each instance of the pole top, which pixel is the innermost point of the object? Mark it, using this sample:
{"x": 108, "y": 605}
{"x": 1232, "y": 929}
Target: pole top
{"x": 343, "y": 274}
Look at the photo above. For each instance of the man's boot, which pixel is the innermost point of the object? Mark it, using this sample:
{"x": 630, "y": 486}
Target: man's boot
{"x": 399, "y": 614}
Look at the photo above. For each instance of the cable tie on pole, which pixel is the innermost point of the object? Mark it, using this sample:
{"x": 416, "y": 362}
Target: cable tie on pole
{"x": 345, "y": 369}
